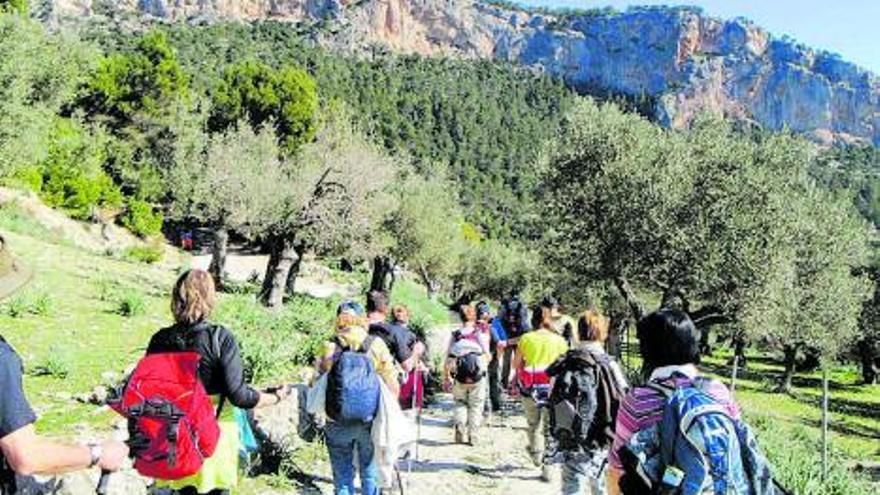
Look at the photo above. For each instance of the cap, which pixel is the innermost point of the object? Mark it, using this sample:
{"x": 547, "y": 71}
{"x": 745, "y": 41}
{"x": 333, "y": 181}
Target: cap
{"x": 350, "y": 307}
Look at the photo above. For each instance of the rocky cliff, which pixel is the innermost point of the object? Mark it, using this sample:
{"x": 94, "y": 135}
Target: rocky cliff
{"x": 685, "y": 61}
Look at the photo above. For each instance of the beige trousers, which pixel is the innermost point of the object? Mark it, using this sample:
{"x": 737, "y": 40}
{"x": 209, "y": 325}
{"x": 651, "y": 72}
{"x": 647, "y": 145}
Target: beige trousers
{"x": 469, "y": 402}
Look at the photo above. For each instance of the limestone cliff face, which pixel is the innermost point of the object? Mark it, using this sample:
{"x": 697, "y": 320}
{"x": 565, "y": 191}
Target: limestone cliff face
{"x": 687, "y": 61}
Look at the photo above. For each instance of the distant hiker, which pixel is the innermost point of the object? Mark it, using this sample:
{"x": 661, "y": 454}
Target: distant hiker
{"x": 514, "y": 319}
{"x": 412, "y": 386}
{"x": 535, "y": 352}
{"x": 201, "y": 363}
{"x": 565, "y": 326}
{"x": 588, "y": 385}
{"x": 712, "y": 451}
{"x": 403, "y": 343}
{"x": 467, "y": 358}
{"x": 497, "y": 340}
{"x": 355, "y": 361}
{"x": 24, "y": 452}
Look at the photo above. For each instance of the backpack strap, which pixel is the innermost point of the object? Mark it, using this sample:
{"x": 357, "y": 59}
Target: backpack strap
{"x": 217, "y": 349}
{"x": 365, "y": 345}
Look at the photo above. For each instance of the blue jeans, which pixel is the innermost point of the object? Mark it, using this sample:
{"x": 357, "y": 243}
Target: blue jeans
{"x": 342, "y": 442}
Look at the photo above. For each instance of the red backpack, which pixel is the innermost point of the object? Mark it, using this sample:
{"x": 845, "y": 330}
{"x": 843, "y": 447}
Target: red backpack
{"x": 171, "y": 421}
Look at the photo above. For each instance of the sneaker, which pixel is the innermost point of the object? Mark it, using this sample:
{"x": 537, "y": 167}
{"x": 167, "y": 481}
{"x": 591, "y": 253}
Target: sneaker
{"x": 472, "y": 438}
{"x": 459, "y": 435}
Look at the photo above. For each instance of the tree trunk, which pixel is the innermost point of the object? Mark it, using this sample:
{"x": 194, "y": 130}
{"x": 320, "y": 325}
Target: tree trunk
{"x": 429, "y": 283}
{"x": 382, "y": 268}
{"x": 790, "y": 363}
{"x": 869, "y": 358}
{"x": 635, "y": 306}
{"x": 300, "y": 250}
{"x": 282, "y": 255}
{"x": 614, "y": 345}
{"x": 705, "y": 346}
{"x": 218, "y": 256}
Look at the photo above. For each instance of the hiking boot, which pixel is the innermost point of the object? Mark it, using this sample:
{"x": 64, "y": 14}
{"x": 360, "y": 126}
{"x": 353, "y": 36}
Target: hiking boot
{"x": 537, "y": 458}
{"x": 459, "y": 435}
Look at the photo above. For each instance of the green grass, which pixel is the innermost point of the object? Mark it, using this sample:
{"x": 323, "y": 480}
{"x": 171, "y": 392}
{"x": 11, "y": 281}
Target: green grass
{"x": 414, "y": 296}
{"x": 14, "y": 219}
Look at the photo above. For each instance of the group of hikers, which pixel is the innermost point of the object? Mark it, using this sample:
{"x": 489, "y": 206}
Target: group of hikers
{"x": 678, "y": 433}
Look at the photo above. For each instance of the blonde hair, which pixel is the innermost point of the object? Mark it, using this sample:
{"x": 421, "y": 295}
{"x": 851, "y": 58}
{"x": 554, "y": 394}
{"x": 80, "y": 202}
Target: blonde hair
{"x": 347, "y": 320}
{"x": 468, "y": 313}
{"x": 193, "y": 297}
{"x": 592, "y": 327}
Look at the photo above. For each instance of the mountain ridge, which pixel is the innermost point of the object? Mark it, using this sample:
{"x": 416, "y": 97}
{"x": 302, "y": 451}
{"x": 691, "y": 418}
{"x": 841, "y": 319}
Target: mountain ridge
{"x": 685, "y": 61}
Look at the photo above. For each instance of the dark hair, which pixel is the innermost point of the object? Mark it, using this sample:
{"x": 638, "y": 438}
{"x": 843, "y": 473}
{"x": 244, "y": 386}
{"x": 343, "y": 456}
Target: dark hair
{"x": 549, "y": 302}
{"x": 377, "y": 302}
{"x": 668, "y": 337}
{"x": 483, "y": 309}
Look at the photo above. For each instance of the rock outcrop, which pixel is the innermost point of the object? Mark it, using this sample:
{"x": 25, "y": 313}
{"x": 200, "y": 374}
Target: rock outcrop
{"x": 681, "y": 59}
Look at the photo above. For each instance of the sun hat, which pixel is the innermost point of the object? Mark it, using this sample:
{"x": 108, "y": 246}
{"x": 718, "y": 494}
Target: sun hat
{"x": 13, "y": 273}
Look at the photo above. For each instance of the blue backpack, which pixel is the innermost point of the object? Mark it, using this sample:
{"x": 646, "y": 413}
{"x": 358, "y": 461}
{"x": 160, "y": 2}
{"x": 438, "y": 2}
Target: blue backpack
{"x": 353, "y": 386}
{"x": 696, "y": 449}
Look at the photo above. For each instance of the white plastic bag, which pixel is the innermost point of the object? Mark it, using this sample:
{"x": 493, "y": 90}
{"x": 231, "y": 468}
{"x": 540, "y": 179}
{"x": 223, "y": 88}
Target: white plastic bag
{"x": 391, "y": 430}
{"x": 316, "y": 397}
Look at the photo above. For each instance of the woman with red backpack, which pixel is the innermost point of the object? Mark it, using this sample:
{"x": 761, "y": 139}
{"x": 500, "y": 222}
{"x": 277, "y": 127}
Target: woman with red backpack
{"x": 213, "y": 352}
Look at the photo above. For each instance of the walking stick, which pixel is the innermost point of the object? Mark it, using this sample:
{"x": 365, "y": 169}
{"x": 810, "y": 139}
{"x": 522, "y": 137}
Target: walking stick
{"x": 102, "y": 483}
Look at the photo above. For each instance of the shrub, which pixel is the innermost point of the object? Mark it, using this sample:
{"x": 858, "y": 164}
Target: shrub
{"x": 38, "y": 303}
{"x": 275, "y": 343}
{"x": 56, "y": 364}
{"x": 143, "y": 254}
{"x": 131, "y": 303}
{"x": 141, "y": 218}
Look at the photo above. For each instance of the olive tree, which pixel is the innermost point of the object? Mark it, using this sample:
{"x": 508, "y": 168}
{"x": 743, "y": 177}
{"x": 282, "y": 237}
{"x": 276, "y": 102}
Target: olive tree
{"x": 695, "y": 219}
{"x": 333, "y": 200}
{"x": 425, "y": 231}
{"x": 226, "y": 182}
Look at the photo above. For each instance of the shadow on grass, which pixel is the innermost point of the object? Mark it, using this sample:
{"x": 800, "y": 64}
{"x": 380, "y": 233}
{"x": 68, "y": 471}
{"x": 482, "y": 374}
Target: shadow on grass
{"x": 775, "y": 376}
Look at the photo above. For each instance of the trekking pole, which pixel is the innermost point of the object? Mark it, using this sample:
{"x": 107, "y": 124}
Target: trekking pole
{"x": 102, "y": 483}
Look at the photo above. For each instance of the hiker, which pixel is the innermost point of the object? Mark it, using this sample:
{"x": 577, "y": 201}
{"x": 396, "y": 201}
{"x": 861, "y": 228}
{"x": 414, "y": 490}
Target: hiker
{"x": 355, "y": 362}
{"x": 514, "y": 318}
{"x": 464, "y": 372}
{"x": 24, "y": 452}
{"x": 536, "y": 351}
{"x": 566, "y": 327}
{"x": 412, "y": 386}
{"x": 497, "y": 340}
{"x": 588, "y": 385}
{"x": 403, "y": 343}
{"x": 220, "y": 372}
{"x": 654, "y": 414}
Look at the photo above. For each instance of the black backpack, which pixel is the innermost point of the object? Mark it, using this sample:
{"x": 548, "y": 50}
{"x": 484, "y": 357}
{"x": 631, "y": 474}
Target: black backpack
{"x": 584, "y": 400}
{"x": 468, "y": 369}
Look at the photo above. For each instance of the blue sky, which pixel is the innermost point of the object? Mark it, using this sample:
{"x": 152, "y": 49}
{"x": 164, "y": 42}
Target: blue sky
{"x": 848, "y": 27}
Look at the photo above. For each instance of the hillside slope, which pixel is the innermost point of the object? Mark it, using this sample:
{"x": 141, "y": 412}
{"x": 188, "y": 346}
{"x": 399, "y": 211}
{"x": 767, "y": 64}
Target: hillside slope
{"x": 682, "y": 60}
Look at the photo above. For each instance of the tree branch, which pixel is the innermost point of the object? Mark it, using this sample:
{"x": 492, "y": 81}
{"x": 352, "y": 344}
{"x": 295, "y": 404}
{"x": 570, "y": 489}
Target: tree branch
{"x": 708, "y": 316}
{"x": 635, "y": 306}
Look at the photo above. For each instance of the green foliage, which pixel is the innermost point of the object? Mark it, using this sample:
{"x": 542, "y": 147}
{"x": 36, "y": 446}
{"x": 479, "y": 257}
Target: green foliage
{"x": 131, "y": 303}
{"x": 855, "y": 170}
{"x": 252, "y": 91}
{"x": 485, "y": 120}
{"x": 426, "y": 228}
{"x": 493, "y": 269}
{"x": 39, "y": 73}
{"x": 275, "y": 343}
{"x": 148, "y": 254}
{"x": 144, "y": 80}
{"x": 141, "y": 218}
{"x": 15, "y": 219}
{"x": 667, "y": 212}
{"x": 793, "y": 455}
{"x": 19, "y": 7}
{"x": 30, "y": 302}
{"x": 56, "y": 364}
{"x": 72, "y": 174}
